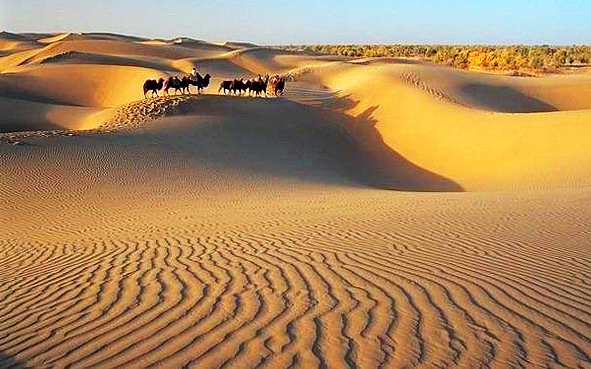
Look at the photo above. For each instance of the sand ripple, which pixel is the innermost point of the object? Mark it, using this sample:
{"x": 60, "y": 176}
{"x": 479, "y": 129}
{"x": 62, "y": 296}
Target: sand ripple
{"x": 308, "y": 290}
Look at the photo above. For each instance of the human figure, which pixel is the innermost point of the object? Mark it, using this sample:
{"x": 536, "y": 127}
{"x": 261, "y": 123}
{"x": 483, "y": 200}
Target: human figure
{"x": 194, "y": 74}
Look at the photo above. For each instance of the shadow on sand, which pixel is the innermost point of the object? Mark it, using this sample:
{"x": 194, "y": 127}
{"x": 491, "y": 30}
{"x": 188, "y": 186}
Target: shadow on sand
{"x": 503, "y": 99}
{"x": 283, "y": 138}
{"x": 7, "y": 361}
{"x": 382, "y": 166}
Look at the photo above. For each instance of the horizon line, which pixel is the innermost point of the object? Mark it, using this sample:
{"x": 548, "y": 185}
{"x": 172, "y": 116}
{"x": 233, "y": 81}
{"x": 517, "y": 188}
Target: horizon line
{"x": 442, "y": 43}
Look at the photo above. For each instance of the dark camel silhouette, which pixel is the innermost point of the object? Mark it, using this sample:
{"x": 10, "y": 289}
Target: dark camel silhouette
{"x": 201, "y": 82}
{"x": 225, "y": 85}
{"x": 173, "y": 82}
{"x": 153, "y": 86}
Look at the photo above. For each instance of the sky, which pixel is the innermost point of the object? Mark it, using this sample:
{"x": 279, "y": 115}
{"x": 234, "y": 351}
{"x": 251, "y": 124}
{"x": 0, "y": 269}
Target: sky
{"x": 279, "y": 22}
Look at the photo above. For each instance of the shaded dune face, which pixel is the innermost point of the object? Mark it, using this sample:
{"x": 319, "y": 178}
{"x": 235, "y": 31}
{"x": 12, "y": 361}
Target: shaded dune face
{"x": 507, "y": 99}
{"x": 284, "y": 138}
{"x": 349, "y": 223}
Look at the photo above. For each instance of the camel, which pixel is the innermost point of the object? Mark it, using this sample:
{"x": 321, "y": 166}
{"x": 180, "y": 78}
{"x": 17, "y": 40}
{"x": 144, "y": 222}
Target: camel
{"x": 280, "y": 87}
{"x": 277, "y": 85}
{"x": 259, "y": 85}
{"x": 238, "y": 87}
{"x": 225, "y": 85}
{"x": 153, "y": 86}
{"x": 173, "y": 82}
{"x": 201, "y": 82}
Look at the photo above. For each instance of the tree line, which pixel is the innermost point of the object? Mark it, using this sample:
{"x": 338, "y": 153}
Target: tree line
{"x": 502, "y": 58}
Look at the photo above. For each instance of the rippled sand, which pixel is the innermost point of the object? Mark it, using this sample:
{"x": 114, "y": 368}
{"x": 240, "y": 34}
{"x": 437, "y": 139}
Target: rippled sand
{"x": 378, "y": 215}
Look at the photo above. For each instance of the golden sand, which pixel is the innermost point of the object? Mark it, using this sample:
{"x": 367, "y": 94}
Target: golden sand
{"x": 380, "y": 214}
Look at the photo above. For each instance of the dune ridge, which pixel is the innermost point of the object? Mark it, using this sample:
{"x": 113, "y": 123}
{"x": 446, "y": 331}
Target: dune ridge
{"x": 380, "y": 214}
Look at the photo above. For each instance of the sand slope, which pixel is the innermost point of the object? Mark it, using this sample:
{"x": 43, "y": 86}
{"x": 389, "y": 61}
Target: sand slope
{"x": 41, "y": 116}
{"x": 471, "y": 139}
{"x": 344, "y": 225}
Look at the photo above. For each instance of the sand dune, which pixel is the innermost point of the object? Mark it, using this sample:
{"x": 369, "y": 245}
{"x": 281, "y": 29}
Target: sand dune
{"x": 58, "y": 37}
{"x": 17, "y": 58}
{"x": 76, "y": 57}
{"x": 119, "y": 48}
{"x": 68, "y": 36}
{"x": 219, "y": 67}
{"x": 11, "y": 43}
{"x": 260, "y": 60}
{"x": 348, "y": 224}
{"x": 40, "y": 116}
{"x": 83, "y": 85}
{"x": 471, "y": 140}
{"x": 239, "y": 45}
{"x": 200, "y": 45}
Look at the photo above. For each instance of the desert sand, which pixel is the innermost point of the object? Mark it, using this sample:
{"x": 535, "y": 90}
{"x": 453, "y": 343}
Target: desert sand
{"x": 382, "y": 213}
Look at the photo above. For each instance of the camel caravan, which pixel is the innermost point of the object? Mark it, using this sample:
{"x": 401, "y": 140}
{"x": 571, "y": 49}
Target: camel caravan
{"x": 253, "y": 87}
{"x": 257, "y": 86}
{"x": 178, "y": 84}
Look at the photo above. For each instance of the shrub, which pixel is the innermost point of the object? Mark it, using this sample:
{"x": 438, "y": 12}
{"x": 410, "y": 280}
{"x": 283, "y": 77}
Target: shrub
{"x": 473, "y": 56}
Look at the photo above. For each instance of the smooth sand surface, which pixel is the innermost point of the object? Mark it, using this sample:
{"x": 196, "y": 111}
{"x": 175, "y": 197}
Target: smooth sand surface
{"x": 380, "y": 214}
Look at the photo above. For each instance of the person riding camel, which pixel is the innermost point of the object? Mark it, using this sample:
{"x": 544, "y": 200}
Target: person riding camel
{"x": 193, "y": 74}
